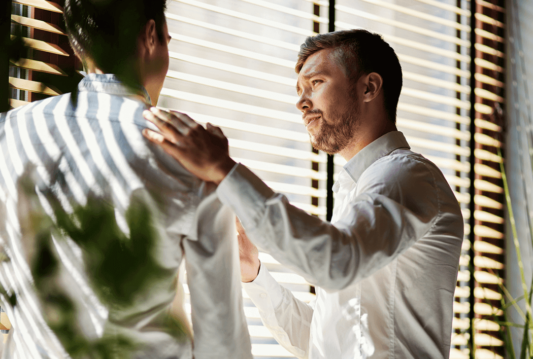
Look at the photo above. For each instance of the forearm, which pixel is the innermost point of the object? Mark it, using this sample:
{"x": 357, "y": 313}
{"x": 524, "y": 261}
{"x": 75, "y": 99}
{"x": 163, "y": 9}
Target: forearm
{"x": 332, "y": 257}
{"x": 287, "y": 318}
{"x": 297, "y": 240}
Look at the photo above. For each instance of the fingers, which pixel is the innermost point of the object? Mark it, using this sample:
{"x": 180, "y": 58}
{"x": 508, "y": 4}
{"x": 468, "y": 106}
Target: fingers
{"x": 153, "y": 136}
{"x": 186, "y": 119}
{"x": 160, "y": 140}
{"x": 215, "y": 130}
{"x": 175, "y": 119}
{"x": 168, "y": 131}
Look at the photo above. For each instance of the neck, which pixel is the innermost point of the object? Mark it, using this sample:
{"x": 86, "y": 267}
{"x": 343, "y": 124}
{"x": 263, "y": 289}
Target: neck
{"x": 365, "y": 135}
{"x": 128, "y": 77}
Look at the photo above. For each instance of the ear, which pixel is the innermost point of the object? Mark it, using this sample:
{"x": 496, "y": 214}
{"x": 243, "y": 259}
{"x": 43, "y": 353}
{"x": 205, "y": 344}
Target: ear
{"x": 373, "y": 84}
{"x": 149, "y": 37}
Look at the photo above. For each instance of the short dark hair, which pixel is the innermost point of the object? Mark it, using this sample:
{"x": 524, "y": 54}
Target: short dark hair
{"x": 360, "y": 52}
{"x": 106, "y": 31}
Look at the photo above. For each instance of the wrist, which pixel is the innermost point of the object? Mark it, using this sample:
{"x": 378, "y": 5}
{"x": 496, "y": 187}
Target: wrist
{"x": 250, "y": 279}
{"x": 222, "y": 170}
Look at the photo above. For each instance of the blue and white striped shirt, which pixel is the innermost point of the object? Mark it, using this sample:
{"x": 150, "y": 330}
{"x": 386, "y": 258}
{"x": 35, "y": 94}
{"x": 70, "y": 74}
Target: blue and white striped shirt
{"x": 90, "y": 144}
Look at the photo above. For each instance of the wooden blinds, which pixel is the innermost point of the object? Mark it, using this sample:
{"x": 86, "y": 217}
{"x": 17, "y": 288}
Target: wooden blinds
{"x": 46, "y": 64}
{"x": 487, "y": 261}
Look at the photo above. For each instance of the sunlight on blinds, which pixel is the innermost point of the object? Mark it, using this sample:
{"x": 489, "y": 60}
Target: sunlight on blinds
{"x": 232, "y": 64}
{"x": 432, "y": 42}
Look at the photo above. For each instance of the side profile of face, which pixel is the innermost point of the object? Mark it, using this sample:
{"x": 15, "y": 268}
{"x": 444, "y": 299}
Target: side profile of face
{"x": 328, "y": 102}
{"x": 154, "y": 59}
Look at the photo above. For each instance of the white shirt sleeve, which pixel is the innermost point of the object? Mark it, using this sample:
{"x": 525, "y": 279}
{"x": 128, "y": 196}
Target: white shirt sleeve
{"x": 213, "y": 274}
{"x": 287, "y": 318}
{"x": 395, "y": 206}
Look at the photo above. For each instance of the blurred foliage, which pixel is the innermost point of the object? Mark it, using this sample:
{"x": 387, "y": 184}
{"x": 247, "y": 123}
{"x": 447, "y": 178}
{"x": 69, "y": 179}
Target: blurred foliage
{"x": 508, "y": 301}
{"x": 120, "y": 268}
{"x": 106, "y": 248}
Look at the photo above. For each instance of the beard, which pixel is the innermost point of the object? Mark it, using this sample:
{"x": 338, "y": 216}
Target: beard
{"x": 333, "y": 138}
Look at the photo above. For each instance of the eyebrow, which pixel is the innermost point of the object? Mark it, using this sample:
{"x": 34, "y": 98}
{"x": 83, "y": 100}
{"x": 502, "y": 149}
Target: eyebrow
{"x": 315, "y": 73}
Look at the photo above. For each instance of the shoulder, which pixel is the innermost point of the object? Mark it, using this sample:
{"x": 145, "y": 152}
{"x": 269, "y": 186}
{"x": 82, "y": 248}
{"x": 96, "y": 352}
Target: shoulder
{"x": 401, "y": 167}
{"x": 406, "y": 178}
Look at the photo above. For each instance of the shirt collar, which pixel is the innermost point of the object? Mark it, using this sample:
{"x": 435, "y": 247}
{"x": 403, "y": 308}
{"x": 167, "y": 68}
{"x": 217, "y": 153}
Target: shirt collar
{"x": 381, "y": 147}
{"x": 110, "y": 84}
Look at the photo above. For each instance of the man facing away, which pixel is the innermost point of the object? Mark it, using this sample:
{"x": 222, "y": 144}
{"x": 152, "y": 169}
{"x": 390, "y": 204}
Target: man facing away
{"x": 386, "y": 266}
{"x": 77, "y": 146}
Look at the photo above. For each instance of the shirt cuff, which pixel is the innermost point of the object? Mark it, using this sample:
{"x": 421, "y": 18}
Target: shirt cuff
{"x": 264, "y": 290}
{"x": 246, "y": 194}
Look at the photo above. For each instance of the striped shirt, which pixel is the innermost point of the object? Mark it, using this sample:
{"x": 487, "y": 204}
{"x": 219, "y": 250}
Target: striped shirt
{"x": 89, "y": 143}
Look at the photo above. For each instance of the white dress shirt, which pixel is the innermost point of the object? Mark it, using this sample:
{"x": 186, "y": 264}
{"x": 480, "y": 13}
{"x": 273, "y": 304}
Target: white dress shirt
{"x": 91, "y": 142}
{"x": 385, "y": 268}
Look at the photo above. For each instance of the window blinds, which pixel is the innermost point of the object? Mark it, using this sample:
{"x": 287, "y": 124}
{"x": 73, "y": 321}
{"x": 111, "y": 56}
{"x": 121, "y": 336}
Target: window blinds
{"x": 431, "y": 40}
{"x": 488, "y": 216}
{"x": 232, "y": 64}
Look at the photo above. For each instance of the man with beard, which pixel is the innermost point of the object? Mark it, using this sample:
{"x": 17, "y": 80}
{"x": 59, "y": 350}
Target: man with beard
{"x": 386, "y": 266}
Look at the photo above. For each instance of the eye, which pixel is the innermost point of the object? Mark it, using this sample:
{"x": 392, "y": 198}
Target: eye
{"x": 315, "y": 82}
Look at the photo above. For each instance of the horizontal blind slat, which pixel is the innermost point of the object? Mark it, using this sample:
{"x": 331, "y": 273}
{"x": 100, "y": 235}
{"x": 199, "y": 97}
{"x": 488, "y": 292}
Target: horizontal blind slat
{"x": 232, "y": 105}
{"x": 282, "y": 169}
{"x": 41, "y": 4}
{"x": 234, "y": 69}
{"x": 447, "y": 7}
{"x": 37, "y": 24}
{"x": 17, "y": 103}
{"x": 233, "y": 50}
{"x": 276, "y": 150}
{"x": 32, "y": 86}
{"x": 419, "y": 14}
{"x": 402, "y": 25}
{"x": 43, "y": 46}
{"x": 247, "y": 17}
{"x": 410, "y": 43}
{"x": 39, "y": 66}
{"x": 237, "y": 33}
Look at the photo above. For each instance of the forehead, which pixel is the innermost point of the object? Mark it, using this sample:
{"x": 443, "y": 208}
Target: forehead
{"x": 324, "y": 61}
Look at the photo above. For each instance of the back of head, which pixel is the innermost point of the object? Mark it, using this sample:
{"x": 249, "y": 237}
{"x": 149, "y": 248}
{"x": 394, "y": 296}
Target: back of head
{"x": 360, "y": 52}
{"x": 106, "y": 31}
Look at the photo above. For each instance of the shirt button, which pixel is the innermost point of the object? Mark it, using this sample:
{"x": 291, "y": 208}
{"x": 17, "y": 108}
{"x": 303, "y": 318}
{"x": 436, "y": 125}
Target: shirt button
{"x": 263, "y": 295}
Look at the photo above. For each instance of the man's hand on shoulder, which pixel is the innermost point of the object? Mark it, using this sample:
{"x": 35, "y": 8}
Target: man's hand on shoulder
{"x": 248, "y": 255}
{"x": 202, "y": 151}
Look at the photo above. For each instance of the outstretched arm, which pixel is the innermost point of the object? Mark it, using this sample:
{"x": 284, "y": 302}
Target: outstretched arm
{"x": 384, "y": 219}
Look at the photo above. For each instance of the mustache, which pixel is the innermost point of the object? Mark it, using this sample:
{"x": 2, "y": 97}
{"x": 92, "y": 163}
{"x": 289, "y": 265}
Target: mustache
{"x": 314, "y": 112}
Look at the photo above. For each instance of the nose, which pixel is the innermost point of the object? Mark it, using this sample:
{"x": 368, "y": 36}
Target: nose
{"x": 304, "y": 102}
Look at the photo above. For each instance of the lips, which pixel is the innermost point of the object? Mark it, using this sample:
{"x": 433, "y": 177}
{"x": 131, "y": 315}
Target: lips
{"x": 311, "y": 120}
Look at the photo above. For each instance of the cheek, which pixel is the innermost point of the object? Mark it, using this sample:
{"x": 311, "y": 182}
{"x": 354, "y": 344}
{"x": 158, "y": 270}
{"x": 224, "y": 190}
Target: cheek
{"x": 329, "y": 96}
{"x": 165, "y": 58}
